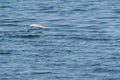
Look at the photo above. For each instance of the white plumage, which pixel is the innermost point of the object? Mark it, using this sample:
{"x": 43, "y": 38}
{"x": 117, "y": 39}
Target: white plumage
{"x": 37, "y": 25}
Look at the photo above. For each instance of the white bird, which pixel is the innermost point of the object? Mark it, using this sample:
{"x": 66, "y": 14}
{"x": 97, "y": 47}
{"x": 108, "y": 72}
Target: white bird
{"x": 37, "y": 25}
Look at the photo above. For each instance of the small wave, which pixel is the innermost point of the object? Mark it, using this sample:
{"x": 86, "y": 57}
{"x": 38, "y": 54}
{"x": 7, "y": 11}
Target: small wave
{"x": 46, "y": 8}
{"x": 34, "y": 72}
{"x": 110, "y": 17}
{"x": 9, "y": 24}
{"x": 41, "y": 72}
{"x": 9, "y": 21}
{"x": 55, "y": 20}
{"x": 6, "y": 7}
{"x": 117, "y": 11}
{"x": 65, "y": 25}
{"x": 92, "y": 39}
{"x": 5, "y": 52}
{"x": 63, "y": 77}
{"x": 28, "y": 36}
{"x": 82, "y": 10}
{"x": 104, "y": 70}
{"x": 50, "y": 11}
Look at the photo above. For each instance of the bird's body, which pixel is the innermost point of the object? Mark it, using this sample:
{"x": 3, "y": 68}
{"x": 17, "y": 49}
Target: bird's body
{"x": 37, "y": 25}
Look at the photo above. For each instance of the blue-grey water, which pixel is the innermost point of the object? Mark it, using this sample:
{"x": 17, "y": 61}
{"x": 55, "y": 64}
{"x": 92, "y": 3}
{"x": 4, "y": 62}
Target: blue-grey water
{"x": 81, "y": 40}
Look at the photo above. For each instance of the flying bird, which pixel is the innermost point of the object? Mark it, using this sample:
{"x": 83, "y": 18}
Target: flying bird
{"x": 37, "y": 25}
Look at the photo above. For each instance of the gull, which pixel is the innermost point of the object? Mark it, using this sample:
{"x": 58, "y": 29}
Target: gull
{"x": 37, "y": 25}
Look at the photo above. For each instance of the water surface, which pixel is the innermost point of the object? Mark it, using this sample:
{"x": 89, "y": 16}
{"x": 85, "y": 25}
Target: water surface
{"x": 81, "y": 40}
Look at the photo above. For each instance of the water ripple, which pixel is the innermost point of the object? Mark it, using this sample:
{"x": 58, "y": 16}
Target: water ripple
{"x": 80, "y": 41}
